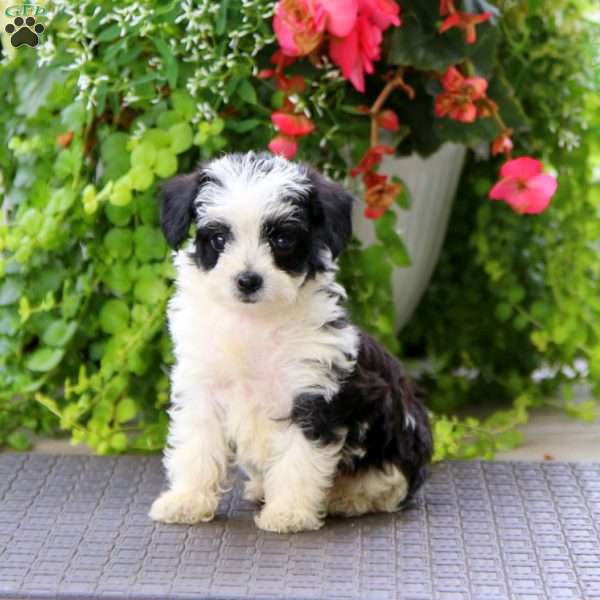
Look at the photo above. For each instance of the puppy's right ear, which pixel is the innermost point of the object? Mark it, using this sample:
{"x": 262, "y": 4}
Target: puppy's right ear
{"x": 177, "y": 209}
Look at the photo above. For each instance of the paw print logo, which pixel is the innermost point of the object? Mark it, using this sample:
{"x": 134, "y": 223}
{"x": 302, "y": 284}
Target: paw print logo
{"x": 24, "y": 32}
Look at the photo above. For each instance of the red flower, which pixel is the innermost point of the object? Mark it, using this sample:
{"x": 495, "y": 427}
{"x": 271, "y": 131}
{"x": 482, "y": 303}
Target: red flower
{"x": 502, "y": 144}
{"x": 523, "y": 185}
{"x": 464, "y": 21}
{"x": 374, "y": 213}
{"x": 380, "y": 197}
{"x": 295, "y": 125}
{"x": 284, "y": 145}
{"x": 388, "y": 119}
{"x": 370, "y": 179}
{"x": 292, "y": 85}
{"x": 65, "y": 139}
{"x": 371, "y": 158}
{"x": 265, "y": 73}
{"x": 459, "y": 96}
{"x": 446, "y": 7}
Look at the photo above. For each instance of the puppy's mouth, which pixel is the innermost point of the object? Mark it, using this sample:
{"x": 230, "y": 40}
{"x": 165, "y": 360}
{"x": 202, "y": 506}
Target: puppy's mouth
{"x": 248, "y": 298}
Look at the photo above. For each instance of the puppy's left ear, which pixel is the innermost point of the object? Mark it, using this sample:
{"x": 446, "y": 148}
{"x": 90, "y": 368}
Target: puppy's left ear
{"x": 331, "y": 209}
{"x": 177, "y": 209}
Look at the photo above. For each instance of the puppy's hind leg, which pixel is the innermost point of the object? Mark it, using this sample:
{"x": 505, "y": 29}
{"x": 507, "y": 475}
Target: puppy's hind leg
{"x": 370, "y": 491}
{"x": 196, "y": 460}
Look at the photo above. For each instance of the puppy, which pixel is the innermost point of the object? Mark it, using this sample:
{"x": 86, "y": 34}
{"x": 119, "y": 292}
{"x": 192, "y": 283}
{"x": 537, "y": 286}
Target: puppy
{"x": 268, "y": 368}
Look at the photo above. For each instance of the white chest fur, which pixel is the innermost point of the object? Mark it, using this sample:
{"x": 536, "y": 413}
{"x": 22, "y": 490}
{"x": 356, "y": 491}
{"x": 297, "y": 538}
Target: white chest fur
{"x": 248, "y": 363}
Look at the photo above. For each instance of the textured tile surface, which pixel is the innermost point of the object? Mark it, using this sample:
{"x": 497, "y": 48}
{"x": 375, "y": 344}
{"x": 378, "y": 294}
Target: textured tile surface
{"x": 77, "y": 527}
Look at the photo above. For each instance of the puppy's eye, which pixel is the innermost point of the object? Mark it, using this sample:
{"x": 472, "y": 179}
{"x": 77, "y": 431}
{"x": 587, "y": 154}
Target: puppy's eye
{"x": 218, "y": 241}
{"x": 284, "y": 241}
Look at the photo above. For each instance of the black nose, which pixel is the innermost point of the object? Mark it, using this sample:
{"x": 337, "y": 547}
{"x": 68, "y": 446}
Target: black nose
{"x": 249, "y": 282}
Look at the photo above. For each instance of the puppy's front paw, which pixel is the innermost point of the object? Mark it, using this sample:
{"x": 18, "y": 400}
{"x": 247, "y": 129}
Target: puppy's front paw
{"x": 254, "y": 491}
{"x": 287, "y": 521}
{"x": 183, "y": 507}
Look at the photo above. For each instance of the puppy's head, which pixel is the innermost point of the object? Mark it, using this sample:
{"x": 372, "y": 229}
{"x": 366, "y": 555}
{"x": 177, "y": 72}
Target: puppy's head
{"x": 263, "y": 225}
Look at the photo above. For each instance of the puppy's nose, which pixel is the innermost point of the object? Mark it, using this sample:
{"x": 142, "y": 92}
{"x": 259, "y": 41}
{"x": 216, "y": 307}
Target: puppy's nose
{"x": 249, "y": 282}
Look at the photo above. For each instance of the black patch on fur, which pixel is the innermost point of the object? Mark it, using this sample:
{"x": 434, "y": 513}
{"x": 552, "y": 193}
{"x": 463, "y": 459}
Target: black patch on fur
{"x": 330, "y": 211}
{"x": 177, "y": 210}
{"x": 205, "y": 256}
{"x": 377, "y": 395}
{"x": 295, "y": 260}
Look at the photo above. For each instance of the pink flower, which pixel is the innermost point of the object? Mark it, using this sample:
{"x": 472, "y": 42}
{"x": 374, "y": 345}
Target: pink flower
{"x": 523, "y": 185}
{"x": 381, "y": 13}
{"x": 300, "y": 25}
{"x": 289, "y": 124}
{"x": 459, "y": 96}
{"x": 466, "y": 22}
{"x": 356, "y": 52}
{"x": 284, "y": 145}
{"x": 341, "y": 16}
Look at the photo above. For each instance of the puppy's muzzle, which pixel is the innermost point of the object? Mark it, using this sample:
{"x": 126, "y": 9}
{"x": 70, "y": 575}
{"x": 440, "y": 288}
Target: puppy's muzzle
{"x": 249, "y": 283}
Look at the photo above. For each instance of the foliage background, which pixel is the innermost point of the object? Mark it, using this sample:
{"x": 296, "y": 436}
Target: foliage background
{"x": 122, "y": 95}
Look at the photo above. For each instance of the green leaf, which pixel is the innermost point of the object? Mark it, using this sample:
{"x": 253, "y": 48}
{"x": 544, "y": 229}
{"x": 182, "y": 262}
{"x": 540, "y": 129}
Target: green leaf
{"x": 141, "y": 178}
{"x": 118, "y": 442}
{"x": 171, "y": 67}
{"x": 109, "y": 34}
{"x": 126, "y": 410}
{"x": 221, "y": 18}
{"x": 149, "y": 289}
{"x": 118, "y": 279}
{"x": 10, "y": 290}
{"x": 18, "y": 441}
{"x": 386, "y": 233}
{"x": 59, "y": 333}
{"x": 114, "y": 316}
{"x": 181, "y": 137}
{"x": 246, "y": 92}
{"x": 245, "y": 125}
{"x": 183, "y": 104}
{"x": 159, "y": 138}
{"x": 149, "y": 243}
{"x": 121, "y": 192}
{"x": 166, "y": 163}
{"x": 507, "y": 440}
{"x": 44, "y": 359}
{"x": 115, "y": 156}
{"x": 144, "y": 154}
{"x": 118, "y": 215}
{"x": 119, "y": 242}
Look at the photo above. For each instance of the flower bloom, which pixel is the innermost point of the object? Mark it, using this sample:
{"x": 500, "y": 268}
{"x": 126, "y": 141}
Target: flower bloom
{"x": 290, "y": 124}
{"x": 380, "y": 197}
{"x": 284, "y": 145}
{"x": 457, "y": 101}
{"x": 356, "y": 52}
{"x": 446, "y": 7}
{"x": 300, "y": 25}
{"x": 355, "y": 29}
{"x": 371, "y": 159}
{"x": 466, "y": 22}
{"x": 388, "y": 119}
{"x": 502, "y": 144}
{"x": 524, "y": 186}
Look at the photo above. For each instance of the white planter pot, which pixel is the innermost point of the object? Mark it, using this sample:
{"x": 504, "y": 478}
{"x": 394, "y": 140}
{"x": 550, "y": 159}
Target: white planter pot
{"x": 432, "y": 183}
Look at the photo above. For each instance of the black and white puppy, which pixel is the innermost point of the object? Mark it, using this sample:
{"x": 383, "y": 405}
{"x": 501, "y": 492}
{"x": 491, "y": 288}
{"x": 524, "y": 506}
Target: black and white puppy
{"x": 268, "y": 368}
